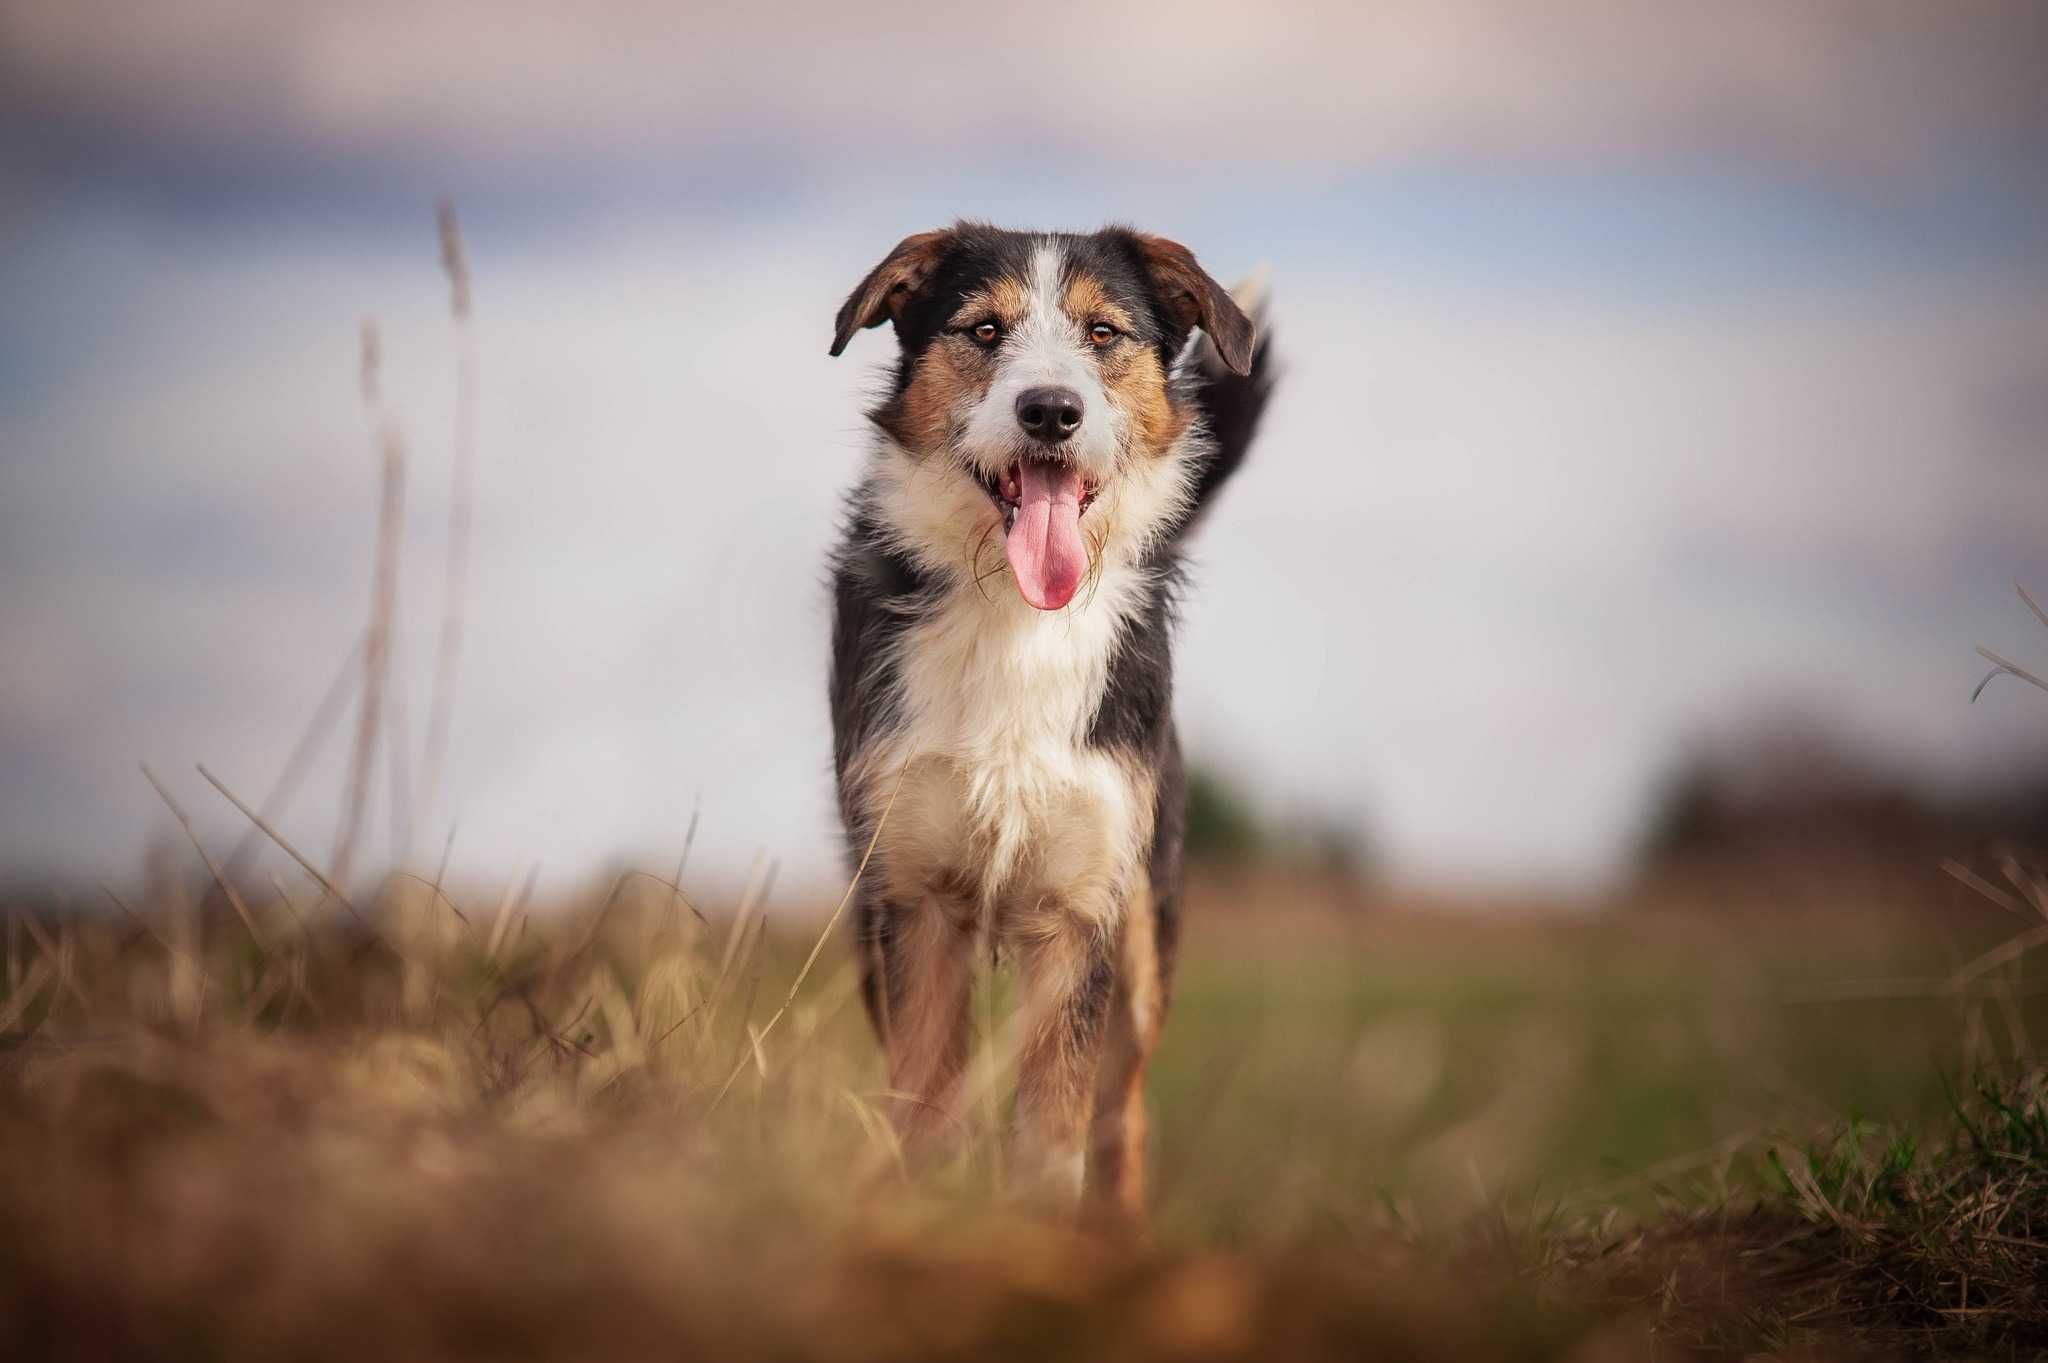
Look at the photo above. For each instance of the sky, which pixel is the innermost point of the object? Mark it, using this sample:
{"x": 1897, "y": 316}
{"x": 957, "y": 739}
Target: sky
{"x": 1643, "y": 368}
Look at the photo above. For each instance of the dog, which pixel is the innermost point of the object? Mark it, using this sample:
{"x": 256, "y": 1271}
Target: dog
{"x": 1062, "y": 410}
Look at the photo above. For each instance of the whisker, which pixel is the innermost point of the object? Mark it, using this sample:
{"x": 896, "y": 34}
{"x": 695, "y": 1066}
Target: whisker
{"x": 993, "y": 572}
{"x": 973, "y": 556}
{"x": 1094, "y": 571}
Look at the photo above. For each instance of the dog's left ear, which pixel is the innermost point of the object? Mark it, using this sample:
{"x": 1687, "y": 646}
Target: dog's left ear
{"x": 1193, "y": 300}
{"x": 881, "y": 296}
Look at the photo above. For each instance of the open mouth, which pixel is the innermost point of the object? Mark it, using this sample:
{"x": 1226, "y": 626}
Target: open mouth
{"x": 1006, "y": 489}
{"x": 1042, "y": 501}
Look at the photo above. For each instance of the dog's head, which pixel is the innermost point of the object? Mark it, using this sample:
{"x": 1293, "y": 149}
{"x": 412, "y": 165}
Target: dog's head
{"x": 1035, "y": 396}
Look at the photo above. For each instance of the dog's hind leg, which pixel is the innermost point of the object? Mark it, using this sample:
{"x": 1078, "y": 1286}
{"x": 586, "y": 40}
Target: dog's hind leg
{"x": 1116, "y": 1153}
{"x": 1117, "y": 1182}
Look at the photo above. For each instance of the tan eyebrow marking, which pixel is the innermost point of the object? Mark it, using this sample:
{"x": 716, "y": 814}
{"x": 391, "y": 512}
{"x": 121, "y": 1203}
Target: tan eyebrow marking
{"x": 1005, "y": 297}
{"x": 1087, "y": 302}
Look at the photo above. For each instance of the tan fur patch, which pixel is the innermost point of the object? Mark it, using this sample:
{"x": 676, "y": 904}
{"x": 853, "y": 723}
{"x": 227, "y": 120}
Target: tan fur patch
{"x": 1007, "y": 299}
{"x": 953, "y": 374}
{"x": 1064, "y": 844}
{"x": 1056, "y": 1065}
{"x": 1132, "y": 378}
{"x": 1088, "y": 303}
{"x": 949, "y": 379}
{"x": 928, "y": 987}
{"x": 1116, "y": 1156}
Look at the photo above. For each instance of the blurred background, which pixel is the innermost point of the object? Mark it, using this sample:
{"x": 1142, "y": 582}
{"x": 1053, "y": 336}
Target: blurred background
{"x": 1663, "y": 425}
{"x": 1664, "y": 415}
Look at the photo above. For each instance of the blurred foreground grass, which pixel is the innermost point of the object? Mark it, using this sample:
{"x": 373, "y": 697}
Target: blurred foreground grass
{"x": 611, "y": 1130}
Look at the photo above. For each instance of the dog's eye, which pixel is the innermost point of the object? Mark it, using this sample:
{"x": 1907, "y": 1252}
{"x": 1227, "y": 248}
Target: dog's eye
{"x": 986, "y": 333}
{"x": 1102, "y": 333}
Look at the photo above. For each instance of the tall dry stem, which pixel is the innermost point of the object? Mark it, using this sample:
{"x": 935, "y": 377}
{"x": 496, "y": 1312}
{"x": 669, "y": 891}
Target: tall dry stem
{"x": 383, "y": 607}
{"x": 461, "y": 512}
{"x": 301, "y": 759}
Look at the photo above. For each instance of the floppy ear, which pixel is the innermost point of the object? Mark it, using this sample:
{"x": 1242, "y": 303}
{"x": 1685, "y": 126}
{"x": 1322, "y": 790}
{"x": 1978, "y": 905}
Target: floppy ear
{"x": 1193, "y": 300}
{"x": 891, "y": 284}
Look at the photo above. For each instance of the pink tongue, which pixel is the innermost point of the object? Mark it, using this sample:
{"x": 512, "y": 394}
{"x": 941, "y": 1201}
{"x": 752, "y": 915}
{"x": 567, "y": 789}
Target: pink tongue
{"x": 1044, "y": 545}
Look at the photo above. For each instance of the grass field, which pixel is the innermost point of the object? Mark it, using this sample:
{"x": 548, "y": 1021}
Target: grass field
{"x": 1459, "y": 1060}
{"x": 614, "y": 1129}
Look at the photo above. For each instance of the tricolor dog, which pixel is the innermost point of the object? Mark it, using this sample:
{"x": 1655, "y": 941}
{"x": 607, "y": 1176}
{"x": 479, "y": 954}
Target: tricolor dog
{"x": 1062, "y": 410}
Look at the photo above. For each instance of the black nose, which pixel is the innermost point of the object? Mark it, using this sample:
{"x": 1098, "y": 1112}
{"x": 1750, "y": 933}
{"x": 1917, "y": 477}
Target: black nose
{"x": 1050, "y": 414}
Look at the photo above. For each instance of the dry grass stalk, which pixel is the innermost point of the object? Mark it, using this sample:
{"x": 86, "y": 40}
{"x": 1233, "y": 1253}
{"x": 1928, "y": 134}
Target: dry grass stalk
{"x": 383, "y": 608}
{"x": 303, "y": 752}
{"x": 508, "y": 904}
{"x": 398, "y": 775}
{"x": 734, "y": 937}
{"x": 58, "y": 952}
{"x": 824, "y": 936}
{"x": 435, "y": 893}
{"x": 461, "y": 512}
{"x": 683, "y": 860}
{"x": 2003, "y": 954}
{"x": 2032, "y": 605}
{"x": 220, "y": 881}
{"x": 1989, "y": 891}
{"x": 2001, "y": 666}
{"x": 310, "y": 869}
{"x": 24, "y": 994}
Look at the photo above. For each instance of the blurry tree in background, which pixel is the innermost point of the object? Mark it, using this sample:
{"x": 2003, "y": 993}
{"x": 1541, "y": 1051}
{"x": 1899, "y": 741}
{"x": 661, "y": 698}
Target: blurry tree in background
{"x": 1225, "y": 830}
{"x": 1222, "y": 829}
{"x": 1788, "y": 784}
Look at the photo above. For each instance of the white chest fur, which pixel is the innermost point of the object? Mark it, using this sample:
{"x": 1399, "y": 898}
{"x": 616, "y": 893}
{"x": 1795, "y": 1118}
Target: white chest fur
{"x": 1003, "y": 792}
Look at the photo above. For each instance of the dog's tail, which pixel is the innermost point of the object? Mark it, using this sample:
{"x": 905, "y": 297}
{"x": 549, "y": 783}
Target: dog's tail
{"x": 1231, "y": 404}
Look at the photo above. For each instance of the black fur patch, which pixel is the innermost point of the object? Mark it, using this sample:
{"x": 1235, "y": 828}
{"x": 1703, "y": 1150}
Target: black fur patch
{"x": 1088, "y": 1007}
{"x": 1231, "y": 405}
{"x": 878, "y": 594}
{"x": 1136, "y": 714}
{"x": 1169, "y": 837}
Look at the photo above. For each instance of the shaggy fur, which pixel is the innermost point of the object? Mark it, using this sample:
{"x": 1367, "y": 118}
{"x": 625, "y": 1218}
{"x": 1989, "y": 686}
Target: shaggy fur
{"x": 1031, "y": 753}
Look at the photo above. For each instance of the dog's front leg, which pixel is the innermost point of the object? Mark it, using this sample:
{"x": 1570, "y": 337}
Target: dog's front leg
{"x": 1067, "y": 967}
{"x": 922, "y": 971}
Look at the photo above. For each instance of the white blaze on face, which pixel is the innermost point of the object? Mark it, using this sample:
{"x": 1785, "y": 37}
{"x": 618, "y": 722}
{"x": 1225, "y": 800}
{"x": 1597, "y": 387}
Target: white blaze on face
{"x": 1046, "y": 349}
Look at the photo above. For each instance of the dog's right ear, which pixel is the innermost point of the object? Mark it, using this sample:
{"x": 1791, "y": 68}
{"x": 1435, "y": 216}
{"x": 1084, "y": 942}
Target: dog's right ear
{"x": 881, "y": 296}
